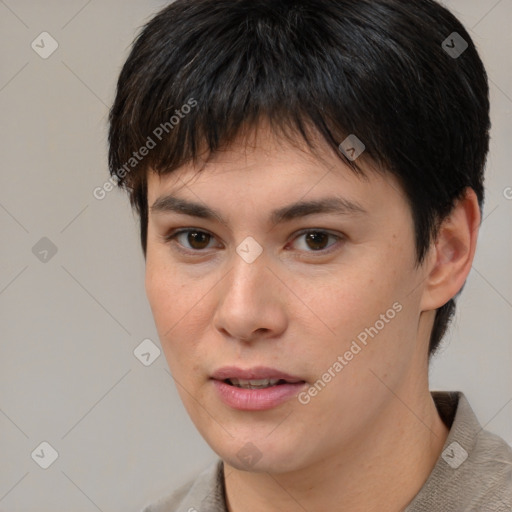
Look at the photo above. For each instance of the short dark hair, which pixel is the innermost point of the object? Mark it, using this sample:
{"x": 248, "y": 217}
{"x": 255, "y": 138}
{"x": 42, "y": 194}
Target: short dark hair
{"x": 379, "y": 69}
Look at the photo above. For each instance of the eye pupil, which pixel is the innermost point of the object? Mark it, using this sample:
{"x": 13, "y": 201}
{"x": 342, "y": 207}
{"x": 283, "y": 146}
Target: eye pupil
{"x": 198, "y": 237}
{"x": 317, "y": 238}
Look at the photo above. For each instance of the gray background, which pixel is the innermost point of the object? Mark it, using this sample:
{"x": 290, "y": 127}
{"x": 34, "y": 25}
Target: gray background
{"x": 70, "y": 323}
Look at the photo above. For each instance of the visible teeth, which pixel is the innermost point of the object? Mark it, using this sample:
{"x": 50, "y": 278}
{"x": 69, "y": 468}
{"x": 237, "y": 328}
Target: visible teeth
{"x": 254, "y": 383}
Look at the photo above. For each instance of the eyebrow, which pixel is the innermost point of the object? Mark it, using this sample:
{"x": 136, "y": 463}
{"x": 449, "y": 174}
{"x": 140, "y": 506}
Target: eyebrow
{"x": 336, "y": 205}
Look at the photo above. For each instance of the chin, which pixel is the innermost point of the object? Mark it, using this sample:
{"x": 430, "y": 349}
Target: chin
{"x": 274, "y": 465}
{"x": 258, "y": 456}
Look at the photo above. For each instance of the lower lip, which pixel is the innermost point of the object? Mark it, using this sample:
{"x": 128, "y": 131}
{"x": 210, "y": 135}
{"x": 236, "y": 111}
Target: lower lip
{"x": 256, "y": 399}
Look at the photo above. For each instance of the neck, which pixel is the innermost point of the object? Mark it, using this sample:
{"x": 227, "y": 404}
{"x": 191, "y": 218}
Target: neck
{"x": 380, "y": 470}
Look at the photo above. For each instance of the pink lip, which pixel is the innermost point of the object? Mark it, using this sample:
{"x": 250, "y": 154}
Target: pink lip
{"x": 255, "y": 399}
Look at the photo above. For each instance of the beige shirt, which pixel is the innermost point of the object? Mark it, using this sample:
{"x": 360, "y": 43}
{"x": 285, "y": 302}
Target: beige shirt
{"x": 472, "y": 474}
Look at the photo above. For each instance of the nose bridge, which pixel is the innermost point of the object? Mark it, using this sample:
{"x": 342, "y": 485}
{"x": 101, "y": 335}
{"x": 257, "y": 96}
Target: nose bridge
{"x": 248, "y": 277}
{"x": 249, "y": 300}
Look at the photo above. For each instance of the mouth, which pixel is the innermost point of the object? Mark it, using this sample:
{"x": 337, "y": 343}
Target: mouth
{"x": 255, "y": 389}
{"x": 258, "y": 383}
{"x": 257, "y": 377}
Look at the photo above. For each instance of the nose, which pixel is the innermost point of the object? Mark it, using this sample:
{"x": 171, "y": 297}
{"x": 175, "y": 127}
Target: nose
{"x": 251, "y": 302}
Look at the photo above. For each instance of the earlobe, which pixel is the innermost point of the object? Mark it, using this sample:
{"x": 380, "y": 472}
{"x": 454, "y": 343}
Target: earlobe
{"x": 452, "y": 254}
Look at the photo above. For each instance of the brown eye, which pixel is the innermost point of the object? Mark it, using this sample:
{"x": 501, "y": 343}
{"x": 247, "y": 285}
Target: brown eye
{"x": 198, "y": 239}
{"x": 191, "y": 239}
{"x": 312, "y": 241}
{"x": 317, "y": 240}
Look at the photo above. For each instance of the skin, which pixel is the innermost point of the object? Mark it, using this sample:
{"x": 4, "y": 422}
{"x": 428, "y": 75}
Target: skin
{"x": 371, "y": 437}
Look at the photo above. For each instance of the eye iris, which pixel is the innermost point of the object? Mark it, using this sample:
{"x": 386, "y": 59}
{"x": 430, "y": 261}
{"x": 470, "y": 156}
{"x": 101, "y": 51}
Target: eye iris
{"x": 199, "y": 237}
{"x": 317, "y": 238}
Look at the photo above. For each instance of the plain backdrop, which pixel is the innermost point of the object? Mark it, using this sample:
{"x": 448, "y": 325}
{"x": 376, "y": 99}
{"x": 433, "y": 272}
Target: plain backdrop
{"x": 72, "y": 302}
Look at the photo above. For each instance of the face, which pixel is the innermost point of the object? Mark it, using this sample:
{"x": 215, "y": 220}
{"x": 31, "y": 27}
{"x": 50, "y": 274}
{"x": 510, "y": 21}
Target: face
{"x": 324, "y": 296}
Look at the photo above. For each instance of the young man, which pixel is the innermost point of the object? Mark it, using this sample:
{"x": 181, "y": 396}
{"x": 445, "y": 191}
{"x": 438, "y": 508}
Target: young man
{"x": 309, "y": 180}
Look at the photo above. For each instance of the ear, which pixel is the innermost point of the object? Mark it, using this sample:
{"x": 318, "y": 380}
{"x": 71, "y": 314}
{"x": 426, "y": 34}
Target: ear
{"x": 451, "y": 256}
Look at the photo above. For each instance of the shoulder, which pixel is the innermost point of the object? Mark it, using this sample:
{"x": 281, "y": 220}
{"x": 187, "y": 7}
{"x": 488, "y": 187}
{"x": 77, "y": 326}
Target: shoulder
{"x": 206, "y": 489}
{"x": 490, "y": 473}
{"x": 169, "y": 503}
{"x": 474, "y": 470}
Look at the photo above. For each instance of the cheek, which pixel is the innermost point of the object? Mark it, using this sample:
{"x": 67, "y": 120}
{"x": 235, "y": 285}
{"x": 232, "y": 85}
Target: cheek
{"x": 166, "y": 289}
{"x": 370, "y": 303}
{"x": 357, "y": 295}
{"x": 178, "y": 311}
{"x": 160, "y": 287}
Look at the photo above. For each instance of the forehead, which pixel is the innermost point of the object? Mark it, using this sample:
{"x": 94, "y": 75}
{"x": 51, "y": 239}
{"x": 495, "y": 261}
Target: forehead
{"x": 262, "y": 160}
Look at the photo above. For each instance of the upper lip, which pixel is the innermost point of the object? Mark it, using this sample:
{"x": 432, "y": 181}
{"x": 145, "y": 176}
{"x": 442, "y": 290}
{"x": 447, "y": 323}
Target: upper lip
{"x": 254, "y": 373}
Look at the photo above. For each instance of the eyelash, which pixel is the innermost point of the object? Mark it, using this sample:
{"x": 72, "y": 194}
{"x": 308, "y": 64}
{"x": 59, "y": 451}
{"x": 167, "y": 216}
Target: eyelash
{"x": 199, "y": 252}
